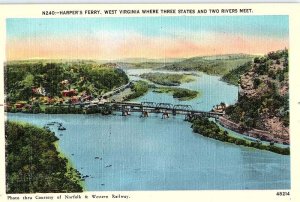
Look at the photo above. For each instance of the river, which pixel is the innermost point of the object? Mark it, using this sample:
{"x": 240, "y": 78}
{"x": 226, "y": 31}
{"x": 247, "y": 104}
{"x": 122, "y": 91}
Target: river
{"x": 163, "y": 154}
{"x": 212, "y": 90}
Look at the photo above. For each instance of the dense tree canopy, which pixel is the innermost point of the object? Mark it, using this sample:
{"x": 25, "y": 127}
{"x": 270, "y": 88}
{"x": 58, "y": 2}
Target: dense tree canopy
{"x": 93, "y": 78}
{"x": 33, "y": 163}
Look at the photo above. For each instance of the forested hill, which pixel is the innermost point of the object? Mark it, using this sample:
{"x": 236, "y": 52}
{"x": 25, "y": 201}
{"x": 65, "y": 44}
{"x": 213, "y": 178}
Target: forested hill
{"x": 22, "y": 78}
{"x": 264, "y": 95}
{"x": 233, "y": 76}
{"x": 33, "y": 165}
{"x": 216, "y": 65}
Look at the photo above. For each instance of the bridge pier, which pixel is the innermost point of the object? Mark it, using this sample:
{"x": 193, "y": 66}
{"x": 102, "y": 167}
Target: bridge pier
{"x": 165, "y": 115}
{"x": 144, "y": 114}
{"x": 187, "y": 117}
{"x": 125, "y": 112}
{"x": 174, "y": 112}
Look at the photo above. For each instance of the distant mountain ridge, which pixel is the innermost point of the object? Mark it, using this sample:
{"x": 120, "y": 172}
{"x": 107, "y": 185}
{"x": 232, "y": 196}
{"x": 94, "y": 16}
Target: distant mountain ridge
{"x": 212, "y": 64}
{"x": 216, "y": 65}
{"x": 125, "y": 60}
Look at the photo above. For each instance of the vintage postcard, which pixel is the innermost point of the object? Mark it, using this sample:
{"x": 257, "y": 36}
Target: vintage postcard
{"x": 149, "y": 102}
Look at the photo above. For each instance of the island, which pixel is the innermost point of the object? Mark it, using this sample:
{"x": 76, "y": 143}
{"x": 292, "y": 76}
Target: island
{"x": 167, "y": 79}
{"x": 178, "y": 93}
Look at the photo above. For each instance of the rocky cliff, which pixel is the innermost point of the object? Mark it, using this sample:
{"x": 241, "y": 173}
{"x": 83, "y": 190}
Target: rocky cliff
{"x": 263, "y": 101}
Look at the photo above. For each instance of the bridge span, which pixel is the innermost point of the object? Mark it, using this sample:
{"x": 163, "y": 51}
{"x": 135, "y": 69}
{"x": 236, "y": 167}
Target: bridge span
{"x": 165, "y": 108}
{"x": 145, "y": 108}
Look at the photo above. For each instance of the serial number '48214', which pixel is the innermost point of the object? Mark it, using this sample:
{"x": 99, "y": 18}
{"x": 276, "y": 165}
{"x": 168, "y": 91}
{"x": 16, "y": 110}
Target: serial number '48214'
{"x": 283, "y": 193}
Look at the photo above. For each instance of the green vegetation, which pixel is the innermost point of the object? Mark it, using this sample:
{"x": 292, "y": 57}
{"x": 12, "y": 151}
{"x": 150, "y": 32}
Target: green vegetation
{"x": 210, "y": 129}
{"x": 167, "y": 79}
{"x": 179, "y": 93}
{"x": 22, "y": 77}
{"x": 216, "y": 65}
{"x": 271, "y": 97}
{"x": 249, "y": 111}
{"x": 233, "y": 75}
{"x": 139, "y": 88}
{"x": 34, "y": 165}
{"x": 63, "y": 109}
{"x": 70, "y": 167}
{"x": 144, "y": 65}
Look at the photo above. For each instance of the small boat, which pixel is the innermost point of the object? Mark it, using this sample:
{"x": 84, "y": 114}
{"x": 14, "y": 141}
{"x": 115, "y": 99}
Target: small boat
{"x": 61, "y": 128}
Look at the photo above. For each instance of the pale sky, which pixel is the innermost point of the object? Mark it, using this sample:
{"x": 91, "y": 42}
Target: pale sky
{"x": 144, "y": 37}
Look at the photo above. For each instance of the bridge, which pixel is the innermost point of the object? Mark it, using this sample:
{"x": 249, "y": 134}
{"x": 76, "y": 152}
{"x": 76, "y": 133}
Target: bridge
{"x": 165, "y": 108}
{"x": 145, "y": 108}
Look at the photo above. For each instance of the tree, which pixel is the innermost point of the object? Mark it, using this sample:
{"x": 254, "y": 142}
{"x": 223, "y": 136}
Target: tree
{"x": 33, "y": 164}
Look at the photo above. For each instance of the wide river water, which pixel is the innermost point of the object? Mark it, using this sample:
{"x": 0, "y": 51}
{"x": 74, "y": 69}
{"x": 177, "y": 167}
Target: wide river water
{"x": 163, "y": 154}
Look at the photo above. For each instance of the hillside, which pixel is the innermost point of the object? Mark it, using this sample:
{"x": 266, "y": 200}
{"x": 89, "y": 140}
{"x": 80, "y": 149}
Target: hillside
{"x": 29, "y": 80}
{"x": 142, "y": 65}
{"x": 233, "y": 76}
{"x": 145, "y": 63}
{"x": 264, "y": 96}
{"x": 216, "y": 65}
{"x": 33, "y": 164}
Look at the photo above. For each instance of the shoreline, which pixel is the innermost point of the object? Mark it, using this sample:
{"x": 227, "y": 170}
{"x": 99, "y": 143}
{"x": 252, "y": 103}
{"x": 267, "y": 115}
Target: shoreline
{"x": 70, "y": 164}
{"x": 210, "y": 129}
{"x": 249, "y": 143}
{"x": 47, "y": 156}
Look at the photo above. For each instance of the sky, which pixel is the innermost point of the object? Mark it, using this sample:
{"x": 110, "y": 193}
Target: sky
{"x": 143, "y": 37}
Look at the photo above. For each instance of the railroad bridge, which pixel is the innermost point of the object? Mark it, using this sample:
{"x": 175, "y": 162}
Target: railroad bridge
{"x": 165, "y": 108}
{"x": 145, "y": 108}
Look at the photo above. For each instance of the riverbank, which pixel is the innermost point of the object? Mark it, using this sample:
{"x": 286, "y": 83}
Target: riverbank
{"x": 253, "y": 132}
{"x": 70, "y": 167}
{"x": 35, "y": 165}
{"x": 138, "y": 89}
{"x": 207, "y": 128}
{"x": 65, "y": 109}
